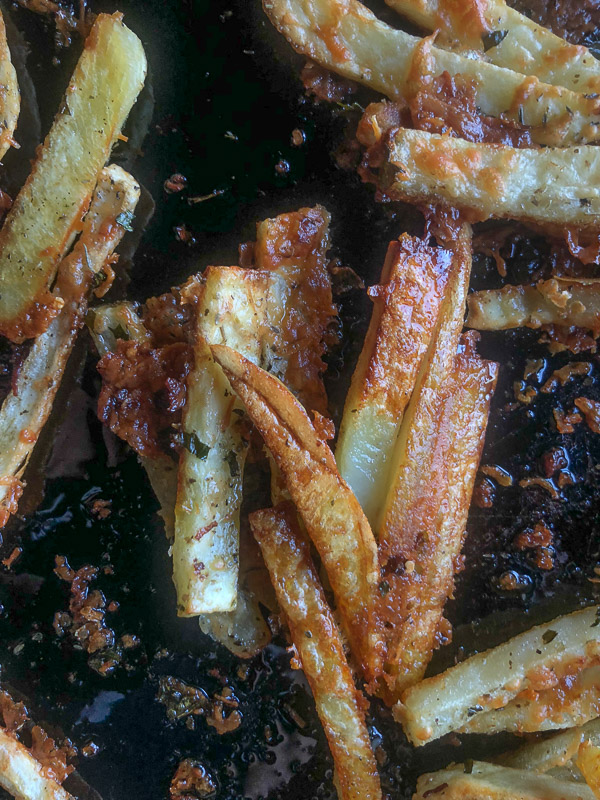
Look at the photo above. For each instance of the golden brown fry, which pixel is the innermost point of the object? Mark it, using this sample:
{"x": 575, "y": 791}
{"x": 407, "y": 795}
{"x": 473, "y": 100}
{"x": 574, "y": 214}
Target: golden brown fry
{"x": 314, "y": 633}
{"x": 331, "y": 513}
{"x": 23, "y": 776}
{"x": 10, "y": 98}
{"x": 405, "y": 311}
{"x": 588, "y": 761}
{"x": 422, "y": 577}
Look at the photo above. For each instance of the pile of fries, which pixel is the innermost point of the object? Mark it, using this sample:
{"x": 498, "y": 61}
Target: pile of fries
{"x": 378, "y": 524}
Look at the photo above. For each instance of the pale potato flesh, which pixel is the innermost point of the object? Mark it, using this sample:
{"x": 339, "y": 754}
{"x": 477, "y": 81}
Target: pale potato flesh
{"x": 10, "y": 98}
{"x": 23, "y": 776}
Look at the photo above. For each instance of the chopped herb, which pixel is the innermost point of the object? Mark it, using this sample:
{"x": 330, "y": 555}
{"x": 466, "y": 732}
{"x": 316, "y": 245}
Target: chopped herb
{"x": 468, "y": 766}
{"x": 545, "y": 118}
{"x": 493, "y": 39}
{"x": 549, "y": 636}
{"x": 597, "y": 620}
{"x": 474, "y": 710}
{"x": 234, "y": 467}
{"x": 98, "y": 279}
{"x": 569, "y": 110}
{"x": 193, "y": 445}
{"x": 125, "y": 220}
{"x": 521, "y": 117}
{"x": 585, "y": 201}
{"x": 119, "y": 332}
{"x": 308, "y": 635}
{"x": 384, "y": 588}
{"x": 350, "y": 106}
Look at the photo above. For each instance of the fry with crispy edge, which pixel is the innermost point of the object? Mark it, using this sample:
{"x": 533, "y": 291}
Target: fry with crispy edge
{"x": 331, "y": 513}
{"x": 417, "y": 596}
{"x": 48, "y": 210}
{"x": 478, "y": 780}
{"x": 550, "y": 186}
{"x": 315, "y": 636}
{"x": 10, "y": 98}
{"x": 518, "y": 670}
{"x": 554, "y": 752}
{"x": 25, "y": 411}
{"x": 23, "y": 776}
{"x": 344, "y": 36}
{"x": 588, "y": 761}
{"x": 405, "y": 310}
{"x": 509, "y": 39}
{"x": 558, "y": 301}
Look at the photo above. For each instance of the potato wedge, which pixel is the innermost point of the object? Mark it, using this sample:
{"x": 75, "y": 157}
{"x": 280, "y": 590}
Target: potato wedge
{"x": 530, "y": 662}
{"x": 331, "y": 513}
{"x": 557, "y": 301}
{"x": 25, "y": 412}
{"x": 320, "y": 651}
{"x": 416, "y": 597}
{"x": 478, "y": 780}
{"x": 23, "y": 776}
{"x": 48, "y": 210}
{"x": 551, "y": 186}
{"x": 508, "y": 38}
{"x": 405, "y": 311}
{"x": 10, "y": 98}
{"x": 344, "y": 36}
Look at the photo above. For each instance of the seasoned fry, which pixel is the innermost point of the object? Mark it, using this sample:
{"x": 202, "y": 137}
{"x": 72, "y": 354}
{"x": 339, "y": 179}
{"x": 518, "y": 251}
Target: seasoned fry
{"x": 344, "y": 36}
{"x": 509, "y": 39}
{"x": 10, "y": 98}
{"x": 417, "y": 597}
{"x": 23, "y": 776}
{"x": 521, "y": 668}
{"x": 48, "y": 210}
{"x": 25, "y": 411}
{"x": 331, "y": 513}
{"x": 555, "y": 751}
{"x": 481, "y": 781}
{"x": 558, "y": 301}
{"x": 405, "y": 311}
{"x": 320, "y": 650}
{"x": 547, "y": 186}
{"x": 588, "y": 761}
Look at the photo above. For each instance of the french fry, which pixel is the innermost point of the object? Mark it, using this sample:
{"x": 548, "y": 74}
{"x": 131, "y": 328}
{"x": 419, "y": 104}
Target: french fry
{"x": 558, "y": 301}
{"x": 331, "y": 513}
{"x": 508, "y": 38}
{"x": 554, "y": 752}
{"x": 588, "y": 761}
{"x": 25, "y": 411}
{"x": 416, "y": 598}
{"x": 344, "y": 36}
{"x": 526, "y": 665}
{"x": 478, "y": 780}
{"x": 10, "y": 98}
{"x": 320, "y": 651}
{"x": 405, "y": 310}
{"x": 48, "y": 210}
{"x": 23, "y": 776}
{"x": 549, "y": 186}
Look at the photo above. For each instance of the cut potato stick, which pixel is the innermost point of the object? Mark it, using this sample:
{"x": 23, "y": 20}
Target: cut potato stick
{"x": 230, "y": 308}
{"x": 10, "y": 98}
{"x": 48, "y": 211}
{"x": 23, "y": 776}
{"x": 418, "y": 596}
{"x": 555, "y": 751}
{"x": 509, "y": 39}
{"x": 331, "y": 513}
{"x": 110, "y": 322}
{"x": 546, "y": 186}
{"x": 405, "y": 311}
{"x": 531, "y": 661}
{"x": 588, "y": 761}
{"x": 478, "y": 780}
{"x": 320, "y": 651}
{"x": 344, "y": 36}
{"x": 25, "y": 410}
{"x": 557, "y": 301}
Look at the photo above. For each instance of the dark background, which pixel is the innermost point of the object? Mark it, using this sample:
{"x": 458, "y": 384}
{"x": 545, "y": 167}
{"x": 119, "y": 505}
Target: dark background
{"x": 226, "y": 100}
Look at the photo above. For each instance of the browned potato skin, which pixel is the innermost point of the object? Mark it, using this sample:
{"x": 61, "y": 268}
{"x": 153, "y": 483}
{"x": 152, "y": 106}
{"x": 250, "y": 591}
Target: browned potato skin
{"x": 333, "y": 518}
{"x": 318, "y": 645}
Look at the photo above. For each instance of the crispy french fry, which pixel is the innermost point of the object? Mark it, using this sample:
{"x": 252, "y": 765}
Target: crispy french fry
{"x": 588, "y": 761}
{"x": 405, "y": 311}
{"x": 416, "y": 598}
{"x": 509, "y": 39}
{"x": 10, "y": 98}
{"x": 23, "y": 776}
{"x": 25, "y": 411}
{"x": 331, "y": 513}
{"x": 557, "y": 301}
{"x": 554, "y": 752}
{"x": 546, "y": 186}
{"x": 344, "y": 36}
{"x": 47, "y": 212}
{"x": 523, "y": 667}
{"x": 481, "y": 781}
{"x": 320, "y": 650}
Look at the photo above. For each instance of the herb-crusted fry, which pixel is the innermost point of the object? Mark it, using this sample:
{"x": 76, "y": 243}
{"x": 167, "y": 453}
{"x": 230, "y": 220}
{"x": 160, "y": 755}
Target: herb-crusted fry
{"x": 555, "y": 751}
{"x": 50, "y": 207}
{"x": 320, "y": 650}
{"x": 344, "y": 36}
{"x": 23, "y": 776}
{"x": 331, "y": 513}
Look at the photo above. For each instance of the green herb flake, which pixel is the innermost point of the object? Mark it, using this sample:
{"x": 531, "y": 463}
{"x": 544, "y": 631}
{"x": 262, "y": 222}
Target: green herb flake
{"x": 234, "y": 467}
{"x": 350, "y": 106}
{"x": 98, "y": 279}
{"x": 585, "y": 202}
{"x": 597, "y": 620}
{"x": 474, "y": 710}
{"x": 549, "y": 636}
{"x": 194, "y": 446}
{"x": 119, "y": 332}
{"x": 468, "y": 766}
{"x": 384, "y": 588}
{"x": 493, "y": 39}
{"x": 125, "y": 220}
